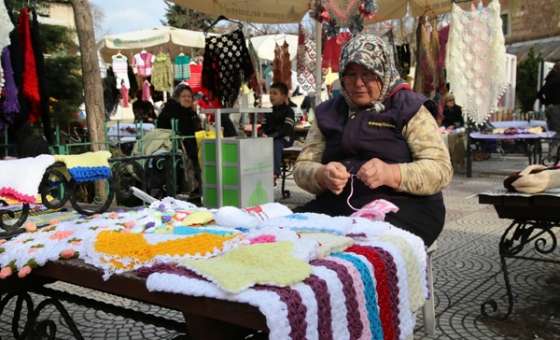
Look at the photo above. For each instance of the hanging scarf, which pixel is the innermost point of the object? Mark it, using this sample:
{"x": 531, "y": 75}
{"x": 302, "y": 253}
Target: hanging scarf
{"x": 43, "y": 88}
{"x": 11, "y": 104}
{"x": 476, "y": 60}
{"x": 306, "y": 59}
{"x": 30, "y": 81}
{"x": 372, "y": 53}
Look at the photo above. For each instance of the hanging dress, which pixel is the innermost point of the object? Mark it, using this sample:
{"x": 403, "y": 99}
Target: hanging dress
{"x": 120, "y": 68}
{"x": 182, "y": 67}
{"x": 162, "y": 74}
{"x": 476, "y": 60}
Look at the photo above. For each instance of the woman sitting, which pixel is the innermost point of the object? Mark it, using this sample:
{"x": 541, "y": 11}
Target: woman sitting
{"x": 180, "y": 107}
{"x": 376, "y": 141}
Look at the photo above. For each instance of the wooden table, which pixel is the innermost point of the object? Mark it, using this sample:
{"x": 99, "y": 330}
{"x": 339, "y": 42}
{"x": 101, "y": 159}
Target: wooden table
{"x": 205, "y": 318}
{"x": 535, "y": 218}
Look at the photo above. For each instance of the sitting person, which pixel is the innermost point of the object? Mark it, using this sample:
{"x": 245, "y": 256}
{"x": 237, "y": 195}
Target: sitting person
{"x": 376, "y": 141}
{"x": 180, "y": 107}
{"x": 452, "y": 114}
{"x": 280, "y": 123}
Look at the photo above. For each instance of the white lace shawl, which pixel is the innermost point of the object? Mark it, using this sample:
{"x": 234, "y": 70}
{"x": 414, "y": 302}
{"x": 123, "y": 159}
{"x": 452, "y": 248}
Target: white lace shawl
{"x": 476, "y": 60}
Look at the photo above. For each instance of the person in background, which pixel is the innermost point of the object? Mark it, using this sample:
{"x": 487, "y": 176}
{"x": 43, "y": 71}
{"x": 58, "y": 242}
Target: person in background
{"x": 549, "y": 95}
{"x": 143, "y": 110}
{"x": 180, "y": 107}
{"x": 452, "y": 114}
{"x": 279, "y": 124}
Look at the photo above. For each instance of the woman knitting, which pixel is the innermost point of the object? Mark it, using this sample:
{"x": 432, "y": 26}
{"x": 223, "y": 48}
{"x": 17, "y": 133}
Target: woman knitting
{"x": 376, "y": 141}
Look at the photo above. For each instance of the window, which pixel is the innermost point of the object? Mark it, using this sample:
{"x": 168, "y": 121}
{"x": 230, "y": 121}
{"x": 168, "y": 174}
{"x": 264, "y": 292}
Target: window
{"x": 505, "y": 24}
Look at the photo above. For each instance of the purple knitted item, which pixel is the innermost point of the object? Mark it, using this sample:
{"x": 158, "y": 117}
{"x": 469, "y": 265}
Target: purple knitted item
{"x": 11, "y": 103}
{"x": 321, "y": 291}
{"x": 355, "y": 326}
{"x": 296, "y": 309}
{"x": 168, "y": 268}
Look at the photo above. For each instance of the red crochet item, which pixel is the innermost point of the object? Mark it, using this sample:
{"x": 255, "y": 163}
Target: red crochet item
{"x": 30, "y": 81}
{"x": 383, "y": 288}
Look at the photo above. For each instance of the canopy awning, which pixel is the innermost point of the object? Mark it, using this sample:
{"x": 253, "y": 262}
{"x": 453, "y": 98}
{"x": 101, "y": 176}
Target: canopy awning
{"x": 292, "y": 11}
{"x": 169, "y": 39}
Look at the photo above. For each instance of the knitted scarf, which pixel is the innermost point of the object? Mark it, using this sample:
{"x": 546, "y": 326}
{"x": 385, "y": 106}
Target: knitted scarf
{"x": 11, "y": 104}
{"x": 30, "y": 81}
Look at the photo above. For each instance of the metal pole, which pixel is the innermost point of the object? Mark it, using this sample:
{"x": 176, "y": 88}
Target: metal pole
{"x": 219, "y": 189}
{"x": 318, "y": 71}
{"x": 255, "y": 117}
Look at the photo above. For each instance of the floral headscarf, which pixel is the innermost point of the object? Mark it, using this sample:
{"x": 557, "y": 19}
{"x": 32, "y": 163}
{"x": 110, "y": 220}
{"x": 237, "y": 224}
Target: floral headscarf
{"x": 371, "y": 52}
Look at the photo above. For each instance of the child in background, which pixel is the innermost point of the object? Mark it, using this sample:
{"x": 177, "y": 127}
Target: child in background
{"x": 280, "y": 123}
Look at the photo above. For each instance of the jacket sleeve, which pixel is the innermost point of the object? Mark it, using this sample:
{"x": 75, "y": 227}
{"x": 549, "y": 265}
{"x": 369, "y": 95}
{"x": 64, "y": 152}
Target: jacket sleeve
{"x": 288, "y": 127}
{"x": 309, "y": 161}
{"x": 431, "y": 170}
{"x": 164, "y": 119}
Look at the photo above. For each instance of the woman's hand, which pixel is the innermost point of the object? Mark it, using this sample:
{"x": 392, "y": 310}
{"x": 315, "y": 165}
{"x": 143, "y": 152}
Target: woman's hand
{"x": 375, "y": 173}
{"x": 333, "y": 176}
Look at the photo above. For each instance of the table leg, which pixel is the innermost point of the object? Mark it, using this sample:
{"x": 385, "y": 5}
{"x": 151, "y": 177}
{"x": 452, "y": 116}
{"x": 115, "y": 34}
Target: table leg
{"x": 201, "y": 328}
{"x": 516, "y": 237}
{"x": 469, "y": 154}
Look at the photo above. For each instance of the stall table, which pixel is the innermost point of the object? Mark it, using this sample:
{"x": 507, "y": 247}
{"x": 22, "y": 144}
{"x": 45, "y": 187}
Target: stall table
{"x": 205, "y": 318}
{"x": 535, "y": 221}
{"x": 533, "y": 140}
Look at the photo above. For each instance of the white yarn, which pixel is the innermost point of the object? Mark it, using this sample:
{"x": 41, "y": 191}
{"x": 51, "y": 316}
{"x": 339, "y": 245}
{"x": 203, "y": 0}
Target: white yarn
{"x": 24, "y": 175}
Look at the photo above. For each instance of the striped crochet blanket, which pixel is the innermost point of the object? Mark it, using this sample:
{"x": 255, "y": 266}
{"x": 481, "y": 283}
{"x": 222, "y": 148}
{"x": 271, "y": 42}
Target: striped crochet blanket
{"x": 369, "y": 291}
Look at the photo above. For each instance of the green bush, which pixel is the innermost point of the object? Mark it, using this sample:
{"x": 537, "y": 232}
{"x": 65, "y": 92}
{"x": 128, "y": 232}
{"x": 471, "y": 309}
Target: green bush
{"x": 527, "y": 80}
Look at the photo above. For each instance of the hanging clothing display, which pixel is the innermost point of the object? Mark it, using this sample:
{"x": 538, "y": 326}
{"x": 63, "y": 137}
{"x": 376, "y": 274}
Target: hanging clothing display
{"x": 476, "y": 60}
{"x": 30, "y": 80}
{"x": 124, "y": 96}
{"x": 306, "y": 59}
{"x": 120, "y": 69}
{"x": 256, "y": 82}
{"x": 227, "y": 65}
{"x": 332, "y": 49}
{"x": 182, "y": 67}
{"x": 281, "y": 65}
{"x": 43, "y": 88}
{"x": 162, "y": 76}
{"x": 10, "y": 106}
{"x": 6, "y": 27}
{"x": 403, "y": 59}
{"x": 134, "y": 87}
{"x": 146, "y": 92}
{"x": 110, "y": 93}
{"x": 195, "y": 79}
{"x": 142, "y": 63}
{"x": 427, "y": 78}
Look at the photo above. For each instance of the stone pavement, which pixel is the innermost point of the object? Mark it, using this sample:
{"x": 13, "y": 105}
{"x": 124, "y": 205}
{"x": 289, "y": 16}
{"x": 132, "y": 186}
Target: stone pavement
{"x": 466, "y": 270}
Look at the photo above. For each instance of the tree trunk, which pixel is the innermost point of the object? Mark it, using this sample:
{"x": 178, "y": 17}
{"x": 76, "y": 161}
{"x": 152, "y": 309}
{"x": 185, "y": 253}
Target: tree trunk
{"x": 91, "y": 76}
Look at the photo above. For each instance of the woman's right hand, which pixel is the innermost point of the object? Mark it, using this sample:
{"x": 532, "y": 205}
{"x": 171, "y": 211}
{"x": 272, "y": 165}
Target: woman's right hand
{"x": 333, "y": 176}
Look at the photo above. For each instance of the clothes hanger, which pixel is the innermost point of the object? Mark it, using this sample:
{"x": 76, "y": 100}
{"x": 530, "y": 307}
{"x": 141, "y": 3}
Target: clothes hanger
{"x": 220, "y": 18}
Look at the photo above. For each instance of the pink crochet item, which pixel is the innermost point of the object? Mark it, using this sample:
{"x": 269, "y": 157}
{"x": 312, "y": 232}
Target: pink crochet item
{"x": 263, "y": 239}
{"x": 376, "y": 210}
{"x": 13, "y": 194}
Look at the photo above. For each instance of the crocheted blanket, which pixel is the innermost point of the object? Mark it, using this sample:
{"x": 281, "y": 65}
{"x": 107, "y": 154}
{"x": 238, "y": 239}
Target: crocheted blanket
{"x": 87, "y": 167}
{"x": 312, "y": 276}
{"x": 369, "y": 291}
{"x": 20, "y": 178}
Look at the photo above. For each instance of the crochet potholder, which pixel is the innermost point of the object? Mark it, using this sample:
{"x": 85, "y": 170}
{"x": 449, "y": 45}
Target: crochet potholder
{"x": 264, "y": 263}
